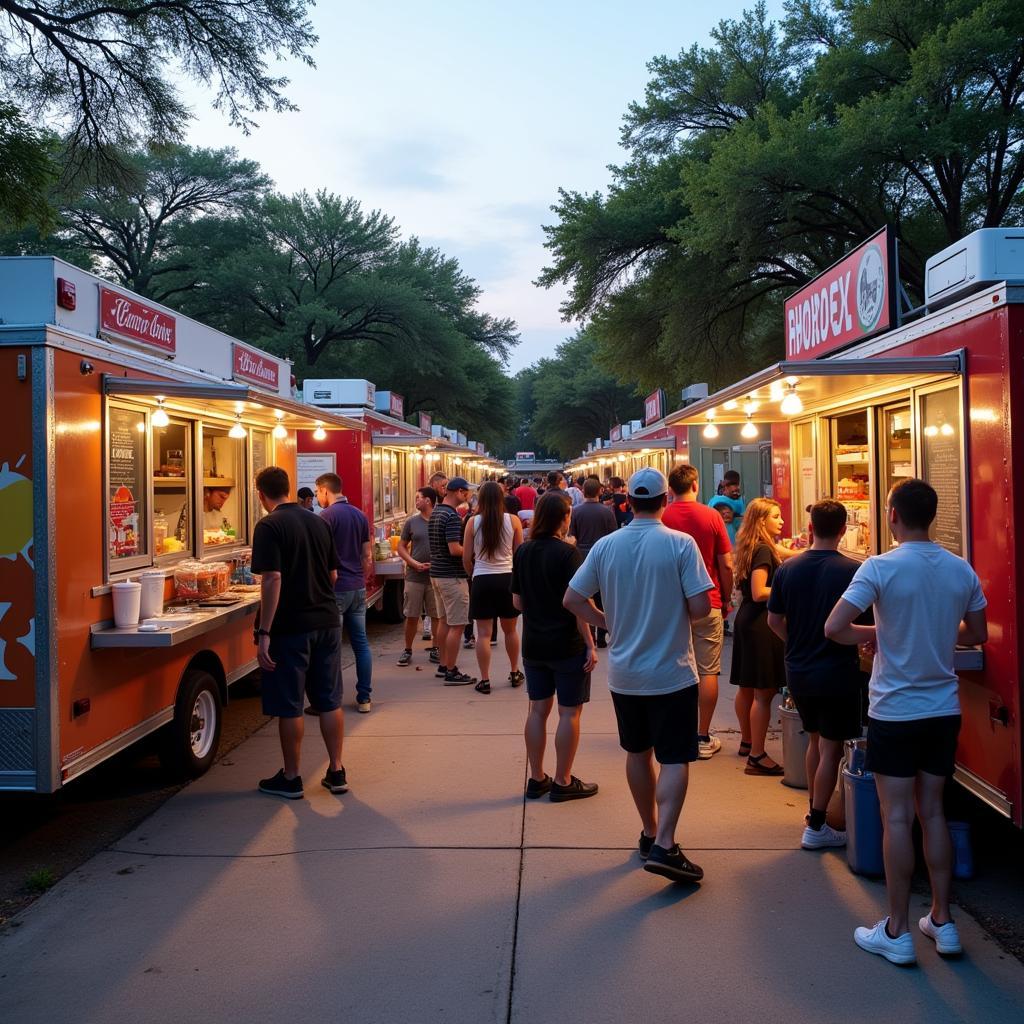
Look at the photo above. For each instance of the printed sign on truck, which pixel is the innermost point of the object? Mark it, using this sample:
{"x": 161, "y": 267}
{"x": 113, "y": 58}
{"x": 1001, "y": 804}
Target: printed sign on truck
{"x": 255, "y": 367}
{"x": 852, "y": 300}
{"x": 135, "y": 321}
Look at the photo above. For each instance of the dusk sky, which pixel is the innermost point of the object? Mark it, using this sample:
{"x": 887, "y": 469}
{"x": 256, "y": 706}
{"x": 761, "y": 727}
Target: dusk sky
{"x": 462, "y": 120}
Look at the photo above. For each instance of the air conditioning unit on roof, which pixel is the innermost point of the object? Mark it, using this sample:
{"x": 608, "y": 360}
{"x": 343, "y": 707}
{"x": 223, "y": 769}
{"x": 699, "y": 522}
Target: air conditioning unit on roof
{"x": 980, "y": 259}
{"x": 340, "y": 393}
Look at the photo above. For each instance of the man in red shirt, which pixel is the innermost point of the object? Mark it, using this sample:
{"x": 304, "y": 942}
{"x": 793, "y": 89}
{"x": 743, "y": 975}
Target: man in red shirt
{"x": 526, "y": 494}
{"x": 707, "y": 528}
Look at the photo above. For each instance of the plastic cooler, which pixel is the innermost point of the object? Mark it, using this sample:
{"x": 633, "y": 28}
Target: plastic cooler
{"x": 863, "y": 815}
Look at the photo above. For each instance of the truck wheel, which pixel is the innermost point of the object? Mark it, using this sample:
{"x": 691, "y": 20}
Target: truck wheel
{"x": 391, "y": 603}
{"x": 188, "y": 744}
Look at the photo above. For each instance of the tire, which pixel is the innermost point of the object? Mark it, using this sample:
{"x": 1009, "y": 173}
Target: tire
{"x": 188, "y": 744}
{"x": 391, "y": 602}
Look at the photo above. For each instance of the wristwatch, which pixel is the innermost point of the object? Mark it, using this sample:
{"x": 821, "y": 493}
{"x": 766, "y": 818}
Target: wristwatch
{"x": 262, "y": 632}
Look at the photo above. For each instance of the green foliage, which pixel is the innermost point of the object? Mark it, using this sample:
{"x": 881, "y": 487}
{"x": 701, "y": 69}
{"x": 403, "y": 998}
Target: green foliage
{"x": 40, "y": 880}
{"x": 27, "y": 171}
{"x": 756, "y": 163}
{"x": 575, "y": 400}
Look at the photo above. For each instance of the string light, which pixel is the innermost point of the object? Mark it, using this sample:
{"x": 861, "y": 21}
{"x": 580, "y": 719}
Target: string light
{"x": 160, "y": 417}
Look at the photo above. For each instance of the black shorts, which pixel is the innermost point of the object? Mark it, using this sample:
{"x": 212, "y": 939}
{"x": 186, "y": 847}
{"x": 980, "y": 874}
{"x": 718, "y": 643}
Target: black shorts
{"x": 902, "y": 749}
{"x": 490, "y": 597}
{"x": 665, "y": 721}
{"x": 307, "y": 664}
{"x": 835, "y": 717}
{"x": 562, "y": 676}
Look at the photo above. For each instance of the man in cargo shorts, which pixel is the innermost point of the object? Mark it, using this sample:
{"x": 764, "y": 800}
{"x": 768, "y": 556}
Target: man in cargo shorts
{"x": 926, "y": 601}
{"x": 414, "y": 550}
{"x": 298, "y": 634}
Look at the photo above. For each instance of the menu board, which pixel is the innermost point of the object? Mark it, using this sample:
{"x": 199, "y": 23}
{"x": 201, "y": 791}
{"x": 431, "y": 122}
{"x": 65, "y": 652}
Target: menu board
{"x": 941, "y": 464}
{"x": 260, "y": 442}
{"x": 126, "y": 482}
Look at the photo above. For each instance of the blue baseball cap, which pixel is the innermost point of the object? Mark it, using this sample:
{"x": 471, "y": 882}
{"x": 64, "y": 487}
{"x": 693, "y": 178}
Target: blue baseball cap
{"x": 647, "y": 483}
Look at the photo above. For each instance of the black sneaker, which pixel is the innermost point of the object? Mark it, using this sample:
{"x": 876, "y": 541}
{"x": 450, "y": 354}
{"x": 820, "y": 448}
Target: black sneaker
{"x": 672, "y": 864}
{"x": 278, "y": 785}
{"x": 441, "y": 671}
{"x": 535, "y": 789}
{"x": 516, "y": 678}
{"x": 335, "y": 781}
{"x": 484, "y": 686}
{"x": 454, "y": 677}
{"x": 469, "y": 643}
{"x": 644, "y": 844}
{"x": 434, "y": 655}
{"x": 406, "y": 658}
{"x": 576, "y": 790}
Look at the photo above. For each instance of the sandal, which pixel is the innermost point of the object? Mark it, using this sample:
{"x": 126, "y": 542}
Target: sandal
{"x": 484, "y": 686}
{"x": 756, "y": 766}
{"x": 744, "y": 750}
{"x": 516, "y": 678}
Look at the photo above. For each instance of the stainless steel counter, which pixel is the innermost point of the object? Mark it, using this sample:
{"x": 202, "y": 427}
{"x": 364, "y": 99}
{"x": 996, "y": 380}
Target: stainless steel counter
{"x": 182, "y": 626}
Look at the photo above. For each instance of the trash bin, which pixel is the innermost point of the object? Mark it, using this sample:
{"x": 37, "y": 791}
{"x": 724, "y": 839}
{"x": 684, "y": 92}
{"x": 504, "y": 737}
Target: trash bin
{"x": 963, "y": 857}
{"x": 863, "y": 822}
{"x": 794, "y": 747}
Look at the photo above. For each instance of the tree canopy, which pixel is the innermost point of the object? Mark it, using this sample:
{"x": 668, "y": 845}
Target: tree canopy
{"x": 755, "y": 163}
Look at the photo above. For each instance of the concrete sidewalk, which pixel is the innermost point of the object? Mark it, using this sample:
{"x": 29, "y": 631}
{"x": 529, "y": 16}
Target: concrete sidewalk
{"x": 430, "y": 892}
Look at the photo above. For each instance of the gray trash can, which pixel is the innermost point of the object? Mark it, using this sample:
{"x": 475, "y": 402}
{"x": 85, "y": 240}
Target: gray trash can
{"x": 794, "y": 747}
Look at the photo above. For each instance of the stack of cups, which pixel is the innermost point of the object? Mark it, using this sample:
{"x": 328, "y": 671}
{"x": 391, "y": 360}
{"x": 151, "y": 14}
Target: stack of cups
{"x": 127, "y": 601}
{"x": 152, "y": 600}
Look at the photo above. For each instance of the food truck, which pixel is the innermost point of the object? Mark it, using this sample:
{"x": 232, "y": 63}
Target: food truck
{"x": 862, "y": 401}
{"x": 132, "y": 438}
{"x": 381, "y": 465}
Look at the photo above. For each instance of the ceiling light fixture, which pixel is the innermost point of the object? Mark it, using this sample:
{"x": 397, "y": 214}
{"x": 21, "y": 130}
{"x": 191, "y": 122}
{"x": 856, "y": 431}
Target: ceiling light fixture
{"x": 319, "y": 434}
{"x": 749, "y": 428}
{"x": 791, "y": 404}
{"x": 279, "y": 429}
{"x": 237, "y": 431}
{"x": 710, "y": 431}
{"x": 160, "y": 417}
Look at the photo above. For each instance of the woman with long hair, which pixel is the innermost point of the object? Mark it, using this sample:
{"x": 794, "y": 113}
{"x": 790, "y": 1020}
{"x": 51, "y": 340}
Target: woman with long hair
{"x": 758, "y": 666}
{"x": 492, "y": 537}
{"x": 558, "y": 649}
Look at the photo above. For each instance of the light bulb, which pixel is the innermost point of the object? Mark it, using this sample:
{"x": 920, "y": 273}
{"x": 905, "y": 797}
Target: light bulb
{"x": 711, "y": 431}
{"x": 159, "y": 417}
{"x": 791, "y": 404}
{"x": 280, "y": 432}
{"x": 749, "y": 428}
{"x": 319, "y": 434}
{"x": 237, "y": 431}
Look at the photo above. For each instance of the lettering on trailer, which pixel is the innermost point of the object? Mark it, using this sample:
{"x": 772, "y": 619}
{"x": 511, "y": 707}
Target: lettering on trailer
{"x": 255, "y": 367}
{"x": 135, "y": 321}
{"x": 654, "y": 406}
{"x": 852, "y": 300}
{"x": 425, "y": 422}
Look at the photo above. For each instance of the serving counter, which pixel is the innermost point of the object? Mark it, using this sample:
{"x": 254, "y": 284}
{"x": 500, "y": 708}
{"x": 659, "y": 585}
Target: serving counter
{"x": 174, "y": 627}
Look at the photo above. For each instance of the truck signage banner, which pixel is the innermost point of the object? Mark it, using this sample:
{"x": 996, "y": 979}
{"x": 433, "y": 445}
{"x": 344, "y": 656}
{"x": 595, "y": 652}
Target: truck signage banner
{"x": 616, "y": 433}
{"x": 654, "y": 406}
{"x": 852, "y": 300}
{"x": 127, "y": 318}
{"x": 425, "y": 422}
{"x": 525, "y": 456}
{"x": 255, "y": 368}
{"x": 396, "y": 406}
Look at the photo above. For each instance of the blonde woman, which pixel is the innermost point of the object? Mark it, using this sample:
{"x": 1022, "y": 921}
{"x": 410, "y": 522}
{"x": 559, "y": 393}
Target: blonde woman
{"x": 758, "y": 667}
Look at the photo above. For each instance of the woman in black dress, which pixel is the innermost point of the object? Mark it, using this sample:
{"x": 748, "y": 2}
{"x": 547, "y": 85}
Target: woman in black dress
{"x": 758, "y": 668}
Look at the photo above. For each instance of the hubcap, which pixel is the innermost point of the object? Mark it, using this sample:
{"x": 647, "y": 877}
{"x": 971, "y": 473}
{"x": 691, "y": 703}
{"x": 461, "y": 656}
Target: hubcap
{"x": 203, "y": 724}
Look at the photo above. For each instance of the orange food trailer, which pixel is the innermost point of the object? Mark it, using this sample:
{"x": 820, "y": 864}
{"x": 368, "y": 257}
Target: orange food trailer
{"x": 132, "y": 438}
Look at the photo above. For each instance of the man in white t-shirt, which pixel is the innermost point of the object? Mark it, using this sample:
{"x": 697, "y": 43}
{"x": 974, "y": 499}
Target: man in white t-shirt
{"x": 652, "y": 582}
{"x": 925, "y": 602}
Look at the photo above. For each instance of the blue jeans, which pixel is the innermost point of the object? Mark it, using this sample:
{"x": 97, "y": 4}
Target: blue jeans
{"x": 352, "y": 610}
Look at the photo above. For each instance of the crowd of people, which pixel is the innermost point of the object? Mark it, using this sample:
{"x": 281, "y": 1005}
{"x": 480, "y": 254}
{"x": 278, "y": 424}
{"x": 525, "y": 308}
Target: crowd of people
{"x": 648, "y": 571}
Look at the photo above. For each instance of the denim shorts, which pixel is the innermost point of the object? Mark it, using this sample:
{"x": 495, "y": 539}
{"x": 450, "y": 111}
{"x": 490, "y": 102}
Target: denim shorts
{"x": 562, "y": 676}
{"x": 308, "y": 664}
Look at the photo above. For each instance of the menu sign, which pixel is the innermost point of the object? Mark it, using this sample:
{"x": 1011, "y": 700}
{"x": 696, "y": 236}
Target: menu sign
{"x": 425, "y": 422}
{"x": 128, "y": 318}
{"x": 126, "y": 482}
{"x": 615, "y": 433}
{"x": 654, "y": 406}
{"x": 852, "y": 300}
{"x": 255, "y": 367}
{"x": 941, "y": 466}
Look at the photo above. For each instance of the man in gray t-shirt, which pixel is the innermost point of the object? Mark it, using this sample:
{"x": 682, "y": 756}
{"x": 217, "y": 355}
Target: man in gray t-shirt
{"x": 414, "y": 550}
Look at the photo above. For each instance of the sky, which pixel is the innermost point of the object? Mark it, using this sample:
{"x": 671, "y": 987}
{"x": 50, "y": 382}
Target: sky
{"x": 463, "y": 119}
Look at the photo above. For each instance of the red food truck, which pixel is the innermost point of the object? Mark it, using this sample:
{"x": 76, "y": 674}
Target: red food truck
{"x": 862, "y": 401}
{"x": 132, "y": 438}
{"x": 381, "y": 464}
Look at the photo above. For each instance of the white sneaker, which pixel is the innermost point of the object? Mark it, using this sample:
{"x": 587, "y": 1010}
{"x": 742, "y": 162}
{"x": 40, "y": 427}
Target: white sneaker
{"x": 875, "y": 940}
{"x": 364, "y": 706}
{"x": 822, "y": 838}
{"x": 705, "y": 751}
{"x": 945, "y": 936}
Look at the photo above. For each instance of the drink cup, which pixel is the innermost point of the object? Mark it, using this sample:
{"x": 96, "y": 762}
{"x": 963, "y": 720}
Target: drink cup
{"x": 152, "y": 597}
{"x": 127, "y": 602}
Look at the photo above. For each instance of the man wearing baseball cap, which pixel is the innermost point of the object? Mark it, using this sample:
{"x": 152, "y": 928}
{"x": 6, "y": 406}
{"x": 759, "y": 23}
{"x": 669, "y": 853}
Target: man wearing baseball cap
{"x": 448, "y": 580}
{"x": 652, "y": 582}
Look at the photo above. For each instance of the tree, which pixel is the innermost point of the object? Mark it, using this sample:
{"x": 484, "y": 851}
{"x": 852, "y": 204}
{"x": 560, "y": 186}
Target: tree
{"x": 27, "y": 171}
{"x": 758, "y": 162}
{"x": 576, "y": 400}
{"x": 100, "y": 72}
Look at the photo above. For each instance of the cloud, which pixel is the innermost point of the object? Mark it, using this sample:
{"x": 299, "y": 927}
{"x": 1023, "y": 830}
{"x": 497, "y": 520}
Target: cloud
{"x": 406, "y": 163}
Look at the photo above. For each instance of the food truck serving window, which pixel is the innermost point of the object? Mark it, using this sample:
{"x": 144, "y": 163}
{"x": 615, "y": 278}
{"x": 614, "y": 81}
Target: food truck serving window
{"x": 173, "y": 535}
{"x": 127, "y": 487}
{"x": 222, "y": 508}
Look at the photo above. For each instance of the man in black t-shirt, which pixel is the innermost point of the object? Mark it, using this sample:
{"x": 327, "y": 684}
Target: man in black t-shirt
{"x": 823, "y": 677}
{"x": 298, "y": 634}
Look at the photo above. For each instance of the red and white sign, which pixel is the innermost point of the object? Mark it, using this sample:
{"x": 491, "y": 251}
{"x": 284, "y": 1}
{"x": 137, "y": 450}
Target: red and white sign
{"x": 136, "y": 321}
{"x": 525, "y": 456}
{"x": 654, "y": 406}
{"x": 850, "y": 301}
{"x": 255, "y": 367}
{"x": 396, "y": 406}
{"x": 480, "y": 448}
{"x": 615, "y": 434}
{"x": 425, "y": 422}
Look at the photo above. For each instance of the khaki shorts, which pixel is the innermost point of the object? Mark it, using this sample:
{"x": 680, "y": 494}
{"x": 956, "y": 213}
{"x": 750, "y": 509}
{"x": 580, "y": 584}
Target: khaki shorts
{"x": 418, "y": 598}
{"x": 707, "y": 636}
{"x": 452, "y": 597}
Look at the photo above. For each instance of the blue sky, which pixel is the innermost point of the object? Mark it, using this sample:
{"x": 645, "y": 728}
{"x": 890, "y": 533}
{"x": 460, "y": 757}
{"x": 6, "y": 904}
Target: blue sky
{"x": 462, "y": 120}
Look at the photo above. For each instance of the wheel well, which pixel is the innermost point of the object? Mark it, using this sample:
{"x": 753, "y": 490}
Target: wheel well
{"x": 207, "y": 661}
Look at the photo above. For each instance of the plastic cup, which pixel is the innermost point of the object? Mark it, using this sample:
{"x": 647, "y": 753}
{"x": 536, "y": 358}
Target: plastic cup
{"x": 127, "y": 603}
{"x": 152, "y": 599}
